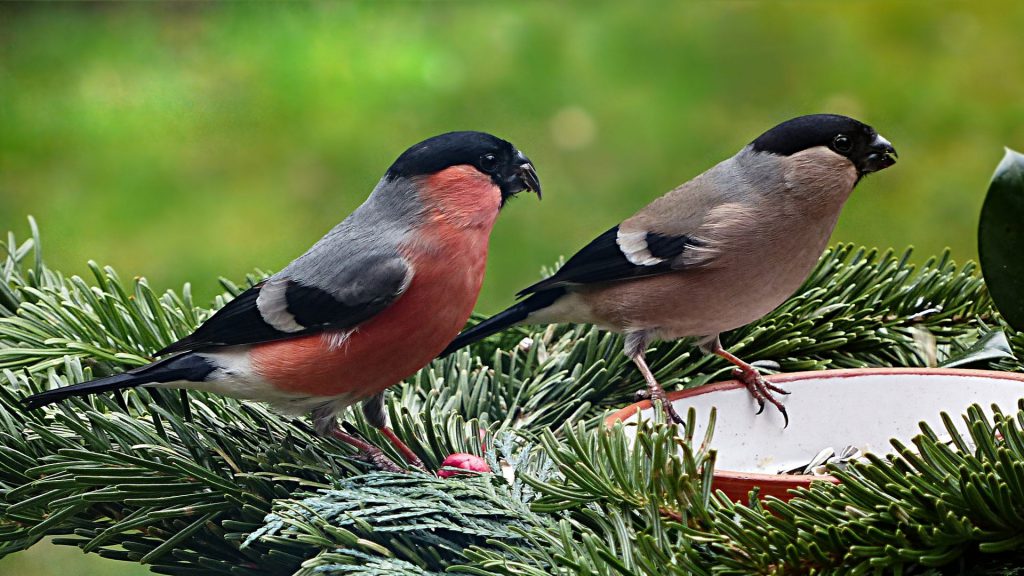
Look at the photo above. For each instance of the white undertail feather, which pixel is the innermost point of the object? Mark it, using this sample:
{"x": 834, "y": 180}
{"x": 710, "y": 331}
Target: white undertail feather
{"x": 235, "y": 377}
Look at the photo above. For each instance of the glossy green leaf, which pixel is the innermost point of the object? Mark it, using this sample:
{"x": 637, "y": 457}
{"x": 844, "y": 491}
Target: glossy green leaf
{"x": 1001, "y": 238}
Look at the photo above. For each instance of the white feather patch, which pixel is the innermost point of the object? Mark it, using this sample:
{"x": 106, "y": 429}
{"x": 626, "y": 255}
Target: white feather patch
{"x": 634, "y": 247}
{"x": 273, "y": 307}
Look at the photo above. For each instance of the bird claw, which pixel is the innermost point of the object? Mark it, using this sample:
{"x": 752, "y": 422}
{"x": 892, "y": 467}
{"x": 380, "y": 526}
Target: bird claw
{"x": 658, "y": 395}
{"x": 762, "y": 390}
{"x": 670, "y": 412}
{"x": 380, "y": 461}
{"x": 785, "y": 416}
{"x": 654, "y": 390}
{"x": 775, "y": 388}
{"x": 367, "y": 452}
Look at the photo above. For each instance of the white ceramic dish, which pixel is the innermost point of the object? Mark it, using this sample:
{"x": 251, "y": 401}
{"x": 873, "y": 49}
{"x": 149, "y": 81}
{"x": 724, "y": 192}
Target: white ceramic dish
{"x": 830, "y": 408}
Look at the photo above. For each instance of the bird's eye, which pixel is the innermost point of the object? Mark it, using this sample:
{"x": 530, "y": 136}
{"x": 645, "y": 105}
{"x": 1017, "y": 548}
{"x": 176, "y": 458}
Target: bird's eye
{"x": 842, "y": 143}
{"x": 488, "y": 163}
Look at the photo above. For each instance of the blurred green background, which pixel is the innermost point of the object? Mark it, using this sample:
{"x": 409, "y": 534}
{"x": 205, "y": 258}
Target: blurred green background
{"x": 183, "y": 142}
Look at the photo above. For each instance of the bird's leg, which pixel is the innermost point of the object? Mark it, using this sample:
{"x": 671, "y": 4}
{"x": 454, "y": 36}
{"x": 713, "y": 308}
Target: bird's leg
{"x": 758, "y": 387}
{"x": 410, "y": 457}
{"x": 325, "y": 422}
{"x": 373, "y": 410}
{"x": 367, "y": 451}
{"x": 655, "y": 391}
{"x": 636, "y": 342}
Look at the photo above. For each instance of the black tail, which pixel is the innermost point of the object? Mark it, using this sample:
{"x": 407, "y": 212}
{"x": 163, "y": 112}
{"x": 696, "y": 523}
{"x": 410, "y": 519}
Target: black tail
{"x": 188, "y": 367}
{"x": 509, "y": 317}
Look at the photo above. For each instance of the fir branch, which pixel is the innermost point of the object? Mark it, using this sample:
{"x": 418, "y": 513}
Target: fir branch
{"x": 424, "y": 521}
{"x": 205, "y": 484}
{"x": 623, "y": 503}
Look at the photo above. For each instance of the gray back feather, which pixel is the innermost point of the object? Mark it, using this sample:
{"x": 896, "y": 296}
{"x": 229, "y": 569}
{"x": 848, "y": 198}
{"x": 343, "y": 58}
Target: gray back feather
{"x": 369, "y": 237}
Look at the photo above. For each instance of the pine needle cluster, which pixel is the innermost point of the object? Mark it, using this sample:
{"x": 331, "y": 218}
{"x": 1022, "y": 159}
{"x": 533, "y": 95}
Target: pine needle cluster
{"x": 200, "y": 484}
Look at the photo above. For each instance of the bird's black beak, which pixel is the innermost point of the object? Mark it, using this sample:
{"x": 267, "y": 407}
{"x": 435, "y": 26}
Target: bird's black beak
{"x": 880, "y": 155}
{"x": 524, "y": 177}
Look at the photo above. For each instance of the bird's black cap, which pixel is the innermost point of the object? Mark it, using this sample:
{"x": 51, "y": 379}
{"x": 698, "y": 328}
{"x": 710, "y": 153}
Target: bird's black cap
{"x": 805, "y": 132}
{"x": 841, "y": 134}
{"x": 507, "y": 166}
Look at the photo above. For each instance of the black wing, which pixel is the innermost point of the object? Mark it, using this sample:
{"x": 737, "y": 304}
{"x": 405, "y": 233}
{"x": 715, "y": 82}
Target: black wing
{"x": 603, "y": 260}
{"x": 290, "y": 308}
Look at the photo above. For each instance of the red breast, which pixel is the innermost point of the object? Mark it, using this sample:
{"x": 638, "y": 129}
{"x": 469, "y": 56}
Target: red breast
{"x": 448, "y": 256}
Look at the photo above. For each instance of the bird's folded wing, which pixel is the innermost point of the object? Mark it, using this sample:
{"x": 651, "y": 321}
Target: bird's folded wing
{"x": 621, "y": 255}
{"x": 284, "y": 307}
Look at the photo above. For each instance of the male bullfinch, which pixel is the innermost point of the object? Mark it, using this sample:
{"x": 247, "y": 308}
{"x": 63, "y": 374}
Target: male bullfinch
{"x": 714, "y": 254}
{"x": 367, "y": 306}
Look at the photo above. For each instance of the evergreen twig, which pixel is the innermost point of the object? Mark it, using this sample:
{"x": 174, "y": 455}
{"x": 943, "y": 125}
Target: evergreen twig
{"x": 215, "y": 486}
